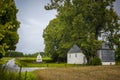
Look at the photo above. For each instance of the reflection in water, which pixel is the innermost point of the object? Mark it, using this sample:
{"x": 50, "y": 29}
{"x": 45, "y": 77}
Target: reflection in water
{"x": 10, "y": 65}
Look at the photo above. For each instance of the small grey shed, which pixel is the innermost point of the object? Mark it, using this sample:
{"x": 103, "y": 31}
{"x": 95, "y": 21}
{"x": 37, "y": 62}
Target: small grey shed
{"x": 106, "y": 55}
{"x": 75, "y": 56}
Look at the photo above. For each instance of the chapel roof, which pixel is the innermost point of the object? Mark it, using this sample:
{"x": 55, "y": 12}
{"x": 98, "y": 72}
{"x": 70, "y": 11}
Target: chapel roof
{"x": 74, "y": 49}
{"x": 105, "y": 46}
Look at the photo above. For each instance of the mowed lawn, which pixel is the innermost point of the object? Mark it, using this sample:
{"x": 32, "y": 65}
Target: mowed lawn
{"x": 80, "y": 73}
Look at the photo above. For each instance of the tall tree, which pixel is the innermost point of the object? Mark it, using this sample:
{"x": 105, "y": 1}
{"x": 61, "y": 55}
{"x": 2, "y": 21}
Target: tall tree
{"x": 84, "y": 21}
{"x": 8, "y": 25}
{"x": 54, "y": 42}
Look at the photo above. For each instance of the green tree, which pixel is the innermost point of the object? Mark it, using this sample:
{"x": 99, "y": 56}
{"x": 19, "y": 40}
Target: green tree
{"x": 84, "y": 21}
{"x": 1, "y": 56}
{"x": 53, "y": 38}
{"x": 13, "y": 54}
{"x": 8, "y": 25}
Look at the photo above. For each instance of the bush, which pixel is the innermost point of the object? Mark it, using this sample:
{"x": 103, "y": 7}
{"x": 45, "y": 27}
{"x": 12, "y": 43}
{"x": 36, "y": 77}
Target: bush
{"x": 47, "y": 60}
{"x": 96, "y": 61}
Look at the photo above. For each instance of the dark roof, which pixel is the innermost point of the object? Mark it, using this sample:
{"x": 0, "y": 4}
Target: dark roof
{"x": 105, "y": 46}
{"x": 74, "y": 49}
{"x": 107, "y": 56}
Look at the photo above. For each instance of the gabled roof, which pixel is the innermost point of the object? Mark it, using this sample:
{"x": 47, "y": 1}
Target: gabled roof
{"x": 39, "y": 56}
{"x": 74, "y": 49}
{"x": 105, "y": 46}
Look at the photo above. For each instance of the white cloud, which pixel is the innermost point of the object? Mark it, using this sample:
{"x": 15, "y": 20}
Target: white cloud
{"x": 33, "y": 22}
{"x": 34, "y": 18}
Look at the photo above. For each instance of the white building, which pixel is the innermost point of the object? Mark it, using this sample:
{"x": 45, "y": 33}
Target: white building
{"x": 75, "y": 56}
{"x": 39, "y": 58}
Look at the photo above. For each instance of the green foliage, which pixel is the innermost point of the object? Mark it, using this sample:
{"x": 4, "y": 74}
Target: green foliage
{"x": 46, "y": 62}
{"x": 13, "y": 54}
{"x": 33, "y": 63}
{"x": 8, "y": 25}
{"x": 56, "y": 46}
{"x": 81, "y": 22}
{"x": 4, "y": 60}
{"x": 5, "y": 74}
{"x": 2, "y": 49}
{"x": 35, "y": 54}
{"x": 1, "y": 56}
{"x": 117, "y": 55}
{"x": 96, "y": 61}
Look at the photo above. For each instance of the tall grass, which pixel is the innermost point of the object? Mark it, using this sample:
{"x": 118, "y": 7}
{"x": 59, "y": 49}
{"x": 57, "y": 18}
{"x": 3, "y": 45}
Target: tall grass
{"x": 5, "y": 74}
{"x": 80, "y": 73}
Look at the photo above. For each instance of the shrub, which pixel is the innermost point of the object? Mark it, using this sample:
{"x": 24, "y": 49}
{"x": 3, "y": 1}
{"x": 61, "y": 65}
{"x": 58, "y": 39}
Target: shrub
{"x": 96, "y": 61}
{"x": 47, "y": 60}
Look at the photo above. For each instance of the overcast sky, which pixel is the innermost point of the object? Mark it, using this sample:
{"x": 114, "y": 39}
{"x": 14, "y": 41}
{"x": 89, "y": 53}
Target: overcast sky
{"x": 34, "y": 18}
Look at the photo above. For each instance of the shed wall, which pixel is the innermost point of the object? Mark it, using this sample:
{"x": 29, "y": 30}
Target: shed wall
{"x": 76, "y": 58}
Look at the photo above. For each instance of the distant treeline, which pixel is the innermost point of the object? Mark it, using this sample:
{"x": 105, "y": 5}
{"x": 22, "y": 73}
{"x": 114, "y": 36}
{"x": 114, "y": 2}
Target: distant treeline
{"x": 14, "y": 54}
{"x": 21, "y": 54}
{"x": 34, "y": 54}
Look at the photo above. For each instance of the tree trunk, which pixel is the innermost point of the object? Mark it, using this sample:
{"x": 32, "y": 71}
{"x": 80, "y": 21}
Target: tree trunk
{"x": 89, "y": 59}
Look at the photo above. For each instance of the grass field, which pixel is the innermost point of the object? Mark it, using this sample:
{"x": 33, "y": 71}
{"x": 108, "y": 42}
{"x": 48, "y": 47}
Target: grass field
{"x": 31, "y": 62}
{"x": 63, "y": 71}
{"x": 80, "y": 73}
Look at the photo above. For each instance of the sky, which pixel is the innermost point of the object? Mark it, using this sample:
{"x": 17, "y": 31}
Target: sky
{"x": 34, "y": 19}
{"x": 117, "y": 7}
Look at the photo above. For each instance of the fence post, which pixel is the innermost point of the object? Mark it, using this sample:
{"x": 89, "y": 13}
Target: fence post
{"x": 25, "y": 75}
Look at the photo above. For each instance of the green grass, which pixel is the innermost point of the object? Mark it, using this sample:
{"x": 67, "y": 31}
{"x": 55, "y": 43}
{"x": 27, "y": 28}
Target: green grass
{"x": 45, "y": 65}
{"x": 31, "y": 62}
{"x": 11, "y": 75}
{"x": 4, "y": 60}
{"x": 28, "y": 76}
{"x": 63, "y": 71}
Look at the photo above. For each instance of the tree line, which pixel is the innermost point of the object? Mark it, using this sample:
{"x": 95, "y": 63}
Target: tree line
{"x": 21, "y": 54}
{"x": 81, "y": 22}
{"x": 13, "y": 54}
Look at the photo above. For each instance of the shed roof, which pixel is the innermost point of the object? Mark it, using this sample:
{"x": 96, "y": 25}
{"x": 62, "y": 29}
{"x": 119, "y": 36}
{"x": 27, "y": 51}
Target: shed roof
{"x": 74, "y": 49}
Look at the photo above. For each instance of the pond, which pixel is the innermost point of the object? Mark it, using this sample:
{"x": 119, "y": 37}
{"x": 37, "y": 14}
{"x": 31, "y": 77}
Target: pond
{"x": 10, "y": 65}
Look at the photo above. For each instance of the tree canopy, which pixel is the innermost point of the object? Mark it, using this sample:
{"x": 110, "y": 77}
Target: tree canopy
{"x": 55, "y": 40}
{"x": 8, "y": 26}
{"x": 14, "y": 54}
{"x": 82, "y": 22}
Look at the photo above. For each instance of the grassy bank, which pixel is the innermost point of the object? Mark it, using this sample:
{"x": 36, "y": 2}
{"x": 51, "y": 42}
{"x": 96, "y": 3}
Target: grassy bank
{"x": 80, "y": 73}
{"x": 5, "y": 74}
{"x": 4, "y": 60}
{"x": 47, "y": 62}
